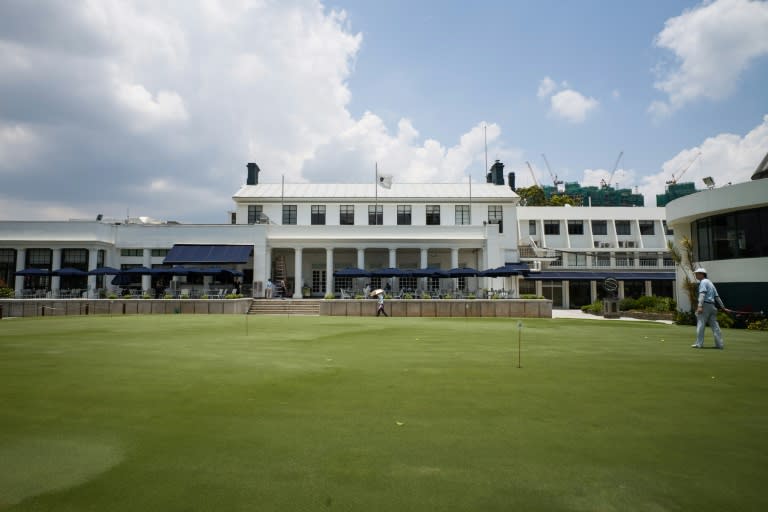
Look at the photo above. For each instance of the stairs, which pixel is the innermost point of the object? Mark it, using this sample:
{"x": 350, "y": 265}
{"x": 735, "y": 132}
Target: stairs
{"x": 308, "y": 307}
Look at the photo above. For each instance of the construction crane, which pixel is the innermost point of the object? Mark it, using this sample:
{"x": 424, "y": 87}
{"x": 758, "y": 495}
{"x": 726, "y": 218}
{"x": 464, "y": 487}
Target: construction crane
{"x": 675, "y": 179}
{"x": 535, "y": 181}
{"x": 554, "y": 176}
{"x": 615, "y": 166}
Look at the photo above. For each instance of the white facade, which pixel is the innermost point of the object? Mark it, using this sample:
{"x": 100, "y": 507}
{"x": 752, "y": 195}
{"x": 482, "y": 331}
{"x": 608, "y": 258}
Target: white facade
{"x": 734, "y": 218}
{"x": 312, "y": 230}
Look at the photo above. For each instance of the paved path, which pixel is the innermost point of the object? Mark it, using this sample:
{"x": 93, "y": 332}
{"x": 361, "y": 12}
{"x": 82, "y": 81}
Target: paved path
{"x": 578, "y": 314}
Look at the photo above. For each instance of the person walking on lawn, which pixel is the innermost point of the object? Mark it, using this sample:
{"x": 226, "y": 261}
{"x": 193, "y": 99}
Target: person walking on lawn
{"x": 380, "y": 308}
{"x": 706, "y": 311}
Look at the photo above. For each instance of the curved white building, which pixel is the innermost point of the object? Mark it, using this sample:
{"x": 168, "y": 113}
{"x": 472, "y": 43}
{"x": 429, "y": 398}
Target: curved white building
{"x": 728, "y": 226}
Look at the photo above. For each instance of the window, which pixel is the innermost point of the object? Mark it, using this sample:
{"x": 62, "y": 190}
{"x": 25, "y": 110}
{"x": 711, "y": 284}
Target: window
{"x": 347, "y": 215}
{"x": 577, "y": 259}
{"x": 599, "y": 227}
{"x": 622, "y": 227}
{"x": 462, "y": 215}
{"x": 255, "y": 212}
{"x": 74, "y": 258}
{"x": 132, "y": 253}
{"x": 496, "y": 216}
{"x": 7, "y": 256}
{"x": 160, "y": 253}
{"x": 403, "y": 215}
{"x": 289, "y": 214}
{"x": 375, "y": 214}
{"x": 646, "y": 227}
{"x": 407, "y": 283}
{"x": 38, "y": 258}
{"x": 318, "y": 214}
{"x": 575, "y": 227}
{"x": 551, "y": 227}
{"x": 742, "y": 234}
{"x": 433, "y": 215}
{"x": 667, "y": 230}
{"x": 340, "y": 283}
{"x": 531, "y": 227}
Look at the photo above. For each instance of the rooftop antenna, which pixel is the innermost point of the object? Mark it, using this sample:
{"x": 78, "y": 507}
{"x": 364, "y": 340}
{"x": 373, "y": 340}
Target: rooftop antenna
{"x": 485, "y": 138}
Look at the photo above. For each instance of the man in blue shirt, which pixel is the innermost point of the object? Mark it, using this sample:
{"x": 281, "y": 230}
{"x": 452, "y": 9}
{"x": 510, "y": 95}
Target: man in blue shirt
{"x": 706, "y": 311}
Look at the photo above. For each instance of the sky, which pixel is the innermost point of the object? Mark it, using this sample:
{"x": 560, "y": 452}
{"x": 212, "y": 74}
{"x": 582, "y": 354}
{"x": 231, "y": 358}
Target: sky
{"x": 145, "y": 108}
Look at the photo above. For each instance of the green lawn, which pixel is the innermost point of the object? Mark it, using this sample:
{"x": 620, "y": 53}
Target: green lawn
{"x": 191, "y": 413}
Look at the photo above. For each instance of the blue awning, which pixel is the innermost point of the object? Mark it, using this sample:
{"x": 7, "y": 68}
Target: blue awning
{"x": 599, "y": 276}
{"x": 212, "y": 254}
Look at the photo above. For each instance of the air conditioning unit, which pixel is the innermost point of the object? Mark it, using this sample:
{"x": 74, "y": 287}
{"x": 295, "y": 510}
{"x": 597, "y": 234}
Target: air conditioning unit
{"x": 605, "y": 245}
{"x": 536, "y": 266}
{"x": 598, "y": 244}
{"x": 630, "y": 244}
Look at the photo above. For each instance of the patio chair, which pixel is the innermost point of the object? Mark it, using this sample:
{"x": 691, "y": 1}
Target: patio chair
{"x": 346, "y": 294}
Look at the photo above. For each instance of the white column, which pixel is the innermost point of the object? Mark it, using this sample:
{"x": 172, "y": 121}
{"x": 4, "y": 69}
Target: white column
{"x": 21, "y": 259}
{"x": 423, "y": 261}
{"x": 621, "y": 290}
{"x": 329, "y": 270}
{"x": 298, "y": 280}
{"x": 146, "y": 281}
{"x": 648, "y": 289}
{"x": 393, "y": 258}
{"x": 93, "y": 258}
{"x": 361, "y": 258}
{"x": 56, "y": 265}
{"x": 454, "y": 264}
{"x": 592, "y": 291}
{"x": 267, "y": 266}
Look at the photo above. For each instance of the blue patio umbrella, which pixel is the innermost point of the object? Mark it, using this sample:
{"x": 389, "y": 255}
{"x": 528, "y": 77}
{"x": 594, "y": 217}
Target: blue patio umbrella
{"x": 30, "y": 272}
{"x": 104, "y": 271}
{"x": 69, "y": 271}
{"x": 144, "y": 271}
{"x": 462, "y": 272}
{"x": 509, "y": 269}
{"x": 428, "y": 272}
{"x": 388, "y": 272}
{"x": 351, "y": 272}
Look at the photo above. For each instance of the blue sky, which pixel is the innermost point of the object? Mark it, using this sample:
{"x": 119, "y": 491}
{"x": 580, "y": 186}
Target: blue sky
{"x": 153, "y": 108}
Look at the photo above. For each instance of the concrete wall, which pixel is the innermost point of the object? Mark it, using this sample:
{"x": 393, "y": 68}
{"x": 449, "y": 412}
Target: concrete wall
{"x": 52, "y": 307}
{"x": 540, "y": 308}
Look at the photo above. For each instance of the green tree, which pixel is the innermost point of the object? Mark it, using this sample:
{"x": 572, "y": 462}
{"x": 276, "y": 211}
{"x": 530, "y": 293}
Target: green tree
{"x": 682, "y": 254}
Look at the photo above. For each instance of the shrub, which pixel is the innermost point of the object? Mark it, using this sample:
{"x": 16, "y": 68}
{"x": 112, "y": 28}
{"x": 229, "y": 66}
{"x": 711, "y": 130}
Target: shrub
{"x": 167, "y": 296}
{"x": 471, "y": 296}
{"x": 628, "y": 304}
{"x": 596, "y": 308}
{"x": 685, "y": 317}
{"x": 758, "y": 325}
{"x": 112, "y": 295}
{"x": 6, "y": 293}
{"x": 407, "y": 296}
{"x": 448, "y": 296}
{"x": 146, "y": 296}
{"x": 329, "y": 296}
{"x": 358, "y": 296}
{"x": 233, "y": 296}
{"x": 725, "y": 320}
{"x": 530, "y": 296}
{"x": 426, "y": 295}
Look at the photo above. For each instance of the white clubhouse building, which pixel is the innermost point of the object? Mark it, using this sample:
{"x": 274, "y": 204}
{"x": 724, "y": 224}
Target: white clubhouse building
{"x": 305, "y": 233}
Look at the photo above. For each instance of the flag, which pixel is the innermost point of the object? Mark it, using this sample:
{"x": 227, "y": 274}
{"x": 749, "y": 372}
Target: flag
{"x": 385, "y": 180}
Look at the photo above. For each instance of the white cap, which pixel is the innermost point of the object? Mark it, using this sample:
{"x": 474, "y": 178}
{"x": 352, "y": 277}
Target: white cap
{"x": 700, "y": 270}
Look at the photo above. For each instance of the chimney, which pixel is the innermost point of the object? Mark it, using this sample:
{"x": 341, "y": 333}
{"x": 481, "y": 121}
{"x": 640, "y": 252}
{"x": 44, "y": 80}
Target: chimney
{"x": 511, "y": 180}
{"x": 496, "y": 174}
{"x": 253, "y": 174}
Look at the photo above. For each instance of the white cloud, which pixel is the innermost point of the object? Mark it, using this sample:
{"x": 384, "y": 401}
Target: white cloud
{"x": 567, "y": 104}
{"x": 712, "y": 45}
{"x": 572, "y": 106}
{"x": 546, "y": 87}
{"x": 728, "y": 158}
